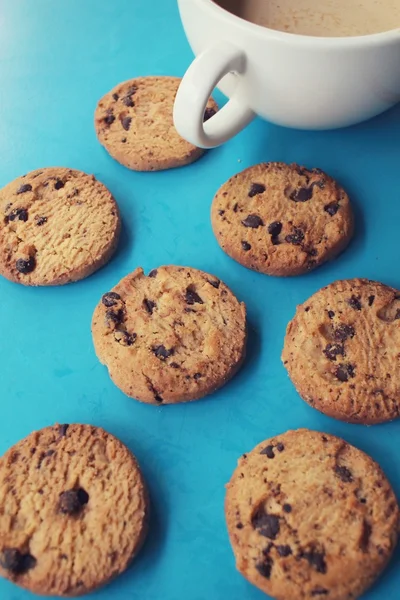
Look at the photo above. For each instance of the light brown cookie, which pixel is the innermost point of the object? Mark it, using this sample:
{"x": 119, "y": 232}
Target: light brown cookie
{"x": 57, "y": 225}
{"x": 176, "y": 335}
{"x": 73, "y": 510}
{"x": 134, "y": 123}
{"x": 310, "y": 516}
{"x": 342, "y": 351}
{"x": 282, "y": 219}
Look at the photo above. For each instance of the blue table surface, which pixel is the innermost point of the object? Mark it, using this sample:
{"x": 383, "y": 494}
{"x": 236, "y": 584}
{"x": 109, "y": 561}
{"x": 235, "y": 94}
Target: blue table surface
{"x": 56, "y": 60}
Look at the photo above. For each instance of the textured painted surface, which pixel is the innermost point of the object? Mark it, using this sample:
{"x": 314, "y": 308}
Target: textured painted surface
{"x": 56, "y": 61}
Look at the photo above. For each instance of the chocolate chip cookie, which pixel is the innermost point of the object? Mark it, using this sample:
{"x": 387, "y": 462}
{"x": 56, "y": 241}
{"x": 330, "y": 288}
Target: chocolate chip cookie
{"x": 310, "y": 516}
{"x": 134, "y": 123}
{"x": 282, "y": 219}
{"x": 342, "y": 351}
{"x": 172, "y": 336}
{"x": 57, "y": 225}
{"x": 73, "y": 510}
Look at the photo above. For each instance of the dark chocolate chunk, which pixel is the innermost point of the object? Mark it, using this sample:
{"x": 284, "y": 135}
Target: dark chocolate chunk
{"x": 287, "y": 508}
{"x": 110, "y": 299}
{"x": 59, "y": 184}
{"x": 316, "y": 560}
{"x": 265, "y": 567}
{"x": 115, "y": 316}
{"x": 109, "y": 118}
{"x": 302, "y": 194}
{"x": 192, "y": 297}
{"x": 153, "y": 273}
{"x": 208, "y": 113}
{"x": 343, "y": 332}
{"x": 63, "y": 429}
{"x": 149, "y": 305}
{"x": 40, "y": 220}
{"x": 355, "y": 303}
{"x": 239, "y": 526}
{"x": 371, "y": 300}
{"x": 275, "y": 228}
{"x": 266, "y": 525}
{"x": 256, "y": 188}
{"x": 11, "y": 559}
{"x": 333, "y": 350}
{"x": 18, "y": 214}
{"x": 115, "y": 97}
{"x": 343, "y": 473}
{"x": 319, "y": 591}
{"x": 25, "y": 187}
{"x": 161, "y": 352}
{"x": 296, "y": 237}
{"x": 235, "y": 207}
{"x": 246, "y": 246}
{"x": 197, "y": 376}
{"x": 71, "y": 502}
{"x": 221, "y": 212}
{"x": 123, "y": 140}
{"x": 331, "y": 314}
{"x": 126, "y": 339}
{"x": 280, "y": 447}
{"x": 128, "y": 101}
{"x": 25, "y": 266}
{"x": 174, "y": 365}
{"x": 332, "y": 208}
{"x": 253, "y": 221}
{"x": 214, "y": 282}
{"x": 126, "y": 123}
{"x": 344, "y": 372}
{"x": 268, "y": 451}
{"x": 284, "y": 550}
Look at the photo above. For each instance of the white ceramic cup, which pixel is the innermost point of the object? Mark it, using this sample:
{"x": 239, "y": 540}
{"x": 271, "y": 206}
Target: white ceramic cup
{"x": 291, "y": 80}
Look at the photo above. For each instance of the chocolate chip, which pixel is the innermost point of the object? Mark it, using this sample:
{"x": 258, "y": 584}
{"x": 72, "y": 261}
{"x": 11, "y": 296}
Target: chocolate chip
{"x": 161, "y": 352}
{"x": 365, "y": 536}
{"x": 280, "y": 447}
{"x": 397, "y": 315}
{"x": 109, "y": 118}
{"x": 256, "y": 188}
{"x": 253, "y": 221}
{"x": 246, "y": 246}
{"x": 71, "y": 502}
{"x": 302, "y": 194}
{"x": 40, "y": 220}
{"x": 25, "y": 266}
{"x": 316, "y": 560}
{"x": 18, "y": 214}
{"x": 59, "y": 184}
{"x": 149, "y": 305}
{"x": 126, "y": 123}
{"x": 284, "y": 550}
{"x": 125, "y": 339}
{"x": 343, "y": 473}
{"x": 153, "y": 273}
{"x": 269, "y": 451}
{"x": 333, "y": 350}
{"x": 158, "y": 398}
{"x": 275, "y": 228}
{"x": 115, "y": 316}
{"x": 197, "y": 376}
{"x": 221, "y": 212}
{"x": 332, "y": 208}
{"x": 115, "y": 96}
{"x": 239, "y": 526}
{"x": 265, "y": 567}
{"x": 344, "y": 372}
{"x": 208, "y": 113}
{"x": 343, "y": 332}
{"x": 192, "y": 297}
{"x": 214, "y": 282}
{"x": 355, "y": 303}
{"x": 63, "y": 429}
{"x": 132, "y": 90}
{"x": 25, "y": 187}
{"x": 174, "y": 365}
{"x": 287, "y": 508}
{"x": 235, "y": 207}
{"x": 296, "y": 237}
{"x": 319, "y": 591}
{"x": 331, "y": 314}
{"x": 110, "y": 299}
{"x": 11, "y": 559}
{"x": 371, "y": 300}
{"x": 266, "y": 525}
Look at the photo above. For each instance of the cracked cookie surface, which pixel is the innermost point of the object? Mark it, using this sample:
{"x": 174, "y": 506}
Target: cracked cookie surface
{"x": 310, "y": 516}
{"x": 73, "y": 510}
{"x": 282, "y": 219}
{"x": 134, "y": 123}
{"x": 57, "y": 225}
{"x": 342, "y": 351}
{"x": 175, "y": 335}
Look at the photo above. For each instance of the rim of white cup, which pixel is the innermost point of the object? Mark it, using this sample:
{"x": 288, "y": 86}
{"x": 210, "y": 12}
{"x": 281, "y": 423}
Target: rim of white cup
{"x": 384, "y": 37}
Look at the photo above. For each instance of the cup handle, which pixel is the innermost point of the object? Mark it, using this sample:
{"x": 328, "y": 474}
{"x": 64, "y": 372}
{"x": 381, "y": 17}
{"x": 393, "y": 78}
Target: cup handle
{"x": 194, "y": 91}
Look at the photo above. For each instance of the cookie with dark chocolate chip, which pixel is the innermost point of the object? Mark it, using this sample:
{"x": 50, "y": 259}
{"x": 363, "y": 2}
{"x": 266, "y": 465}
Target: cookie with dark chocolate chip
{"x": 282, "y": 219}
{"x": 310, "y": 516}
{"x": 134, "y": 123}
{"x": 342, "y": 351}
{"x": 57, "y": 225}
{"x": 174, "y": 335}
{"x": 73, "y": 510}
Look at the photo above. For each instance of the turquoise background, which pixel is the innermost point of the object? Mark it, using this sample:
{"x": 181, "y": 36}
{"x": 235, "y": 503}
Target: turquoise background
{"x": 56, "y": 60}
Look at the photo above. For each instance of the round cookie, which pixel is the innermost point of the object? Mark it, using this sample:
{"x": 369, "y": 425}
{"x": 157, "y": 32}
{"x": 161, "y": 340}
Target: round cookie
{"x": 176, "y": 335}
{"x": 310, "y": 516}
{"x": 73, "y": 510}
{"x": 134, "y": 123}
{"x": 342, "y": 351}
{"x": 282, "y": 219}
{"x": 57, "y": 226}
